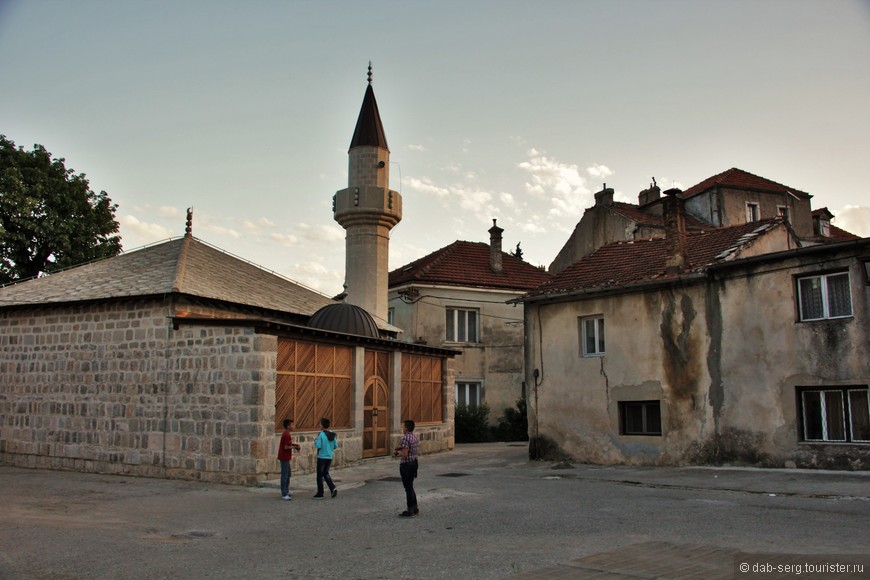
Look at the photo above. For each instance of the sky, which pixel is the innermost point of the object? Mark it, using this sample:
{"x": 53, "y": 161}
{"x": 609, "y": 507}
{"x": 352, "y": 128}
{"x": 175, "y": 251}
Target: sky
{"x": 493, "y": 109}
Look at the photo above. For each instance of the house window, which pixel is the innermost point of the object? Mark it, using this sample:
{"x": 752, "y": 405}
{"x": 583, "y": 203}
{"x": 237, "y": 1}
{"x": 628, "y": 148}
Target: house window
{"x": 823, "y": 228}
{"x": 468, "y": 394}
{"x": 835, "y": 414}
{"x": 461, "y": 325}
{"x": 592, "y": 336}
{"x": 825, "y": 296}
{"x": 783, "y": 211}
{"x": 752, "y": 214}
{"x": 391, "y": 316}
{"x": 640, "y": 418}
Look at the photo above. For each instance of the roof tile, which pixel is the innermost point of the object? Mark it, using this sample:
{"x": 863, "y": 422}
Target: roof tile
{"x": 467, "y": 264}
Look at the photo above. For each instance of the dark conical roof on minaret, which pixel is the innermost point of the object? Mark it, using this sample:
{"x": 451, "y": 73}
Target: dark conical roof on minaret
{"x": 369, "y": 131}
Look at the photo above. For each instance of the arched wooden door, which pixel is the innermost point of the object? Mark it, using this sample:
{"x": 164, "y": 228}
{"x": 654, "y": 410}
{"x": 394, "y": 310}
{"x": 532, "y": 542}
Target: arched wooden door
{"x": 376, "y": 428}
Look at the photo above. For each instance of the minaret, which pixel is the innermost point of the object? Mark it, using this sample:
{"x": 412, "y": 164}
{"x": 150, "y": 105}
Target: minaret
{"x": 368, "y": 209}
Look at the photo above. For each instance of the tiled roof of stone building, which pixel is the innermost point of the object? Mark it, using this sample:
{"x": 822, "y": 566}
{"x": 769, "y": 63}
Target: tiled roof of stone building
{"x": 180, "y": 266}
{"x": 467, "y": 264}
{"x": 739, "y": 179}
{"x": 633, "y": 262}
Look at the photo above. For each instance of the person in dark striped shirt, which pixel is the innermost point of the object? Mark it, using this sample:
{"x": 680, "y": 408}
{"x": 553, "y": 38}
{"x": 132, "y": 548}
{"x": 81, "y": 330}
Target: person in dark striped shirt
{"x": 408, "y": 450}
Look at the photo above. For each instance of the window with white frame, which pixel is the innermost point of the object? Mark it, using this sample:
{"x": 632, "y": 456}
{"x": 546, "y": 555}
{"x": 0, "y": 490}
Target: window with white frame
{"x": 835, "y": 414}
{"x": 592, "y": 336}
{"x": 640, "y": 418}
{"x": 461, "y": 325}
{"x": 391, "y": 316}
{"x": 752, "y": 214}
{"x": 783, "y": 211}
{"x": 468, "y": 394}
{"x": 824, "y": 296}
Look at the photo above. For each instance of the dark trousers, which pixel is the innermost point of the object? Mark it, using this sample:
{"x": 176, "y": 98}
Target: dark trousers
{"x": 323, "y": 474}
{"x": 285, "y": 478}
{"x": 408, "y": 471}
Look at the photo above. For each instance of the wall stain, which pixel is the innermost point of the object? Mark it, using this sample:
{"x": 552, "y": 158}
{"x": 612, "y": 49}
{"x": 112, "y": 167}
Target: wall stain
{"x": 680, "y": 356}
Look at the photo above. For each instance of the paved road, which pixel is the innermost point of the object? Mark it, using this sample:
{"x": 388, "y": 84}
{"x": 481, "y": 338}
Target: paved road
{"x": 487, "y": 512}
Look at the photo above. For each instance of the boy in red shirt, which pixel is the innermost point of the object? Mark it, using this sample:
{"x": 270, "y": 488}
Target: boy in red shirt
{"x": 285, "y": 455}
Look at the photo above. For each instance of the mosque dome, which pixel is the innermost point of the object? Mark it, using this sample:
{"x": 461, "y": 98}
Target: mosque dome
{"x": 345, "y": 318}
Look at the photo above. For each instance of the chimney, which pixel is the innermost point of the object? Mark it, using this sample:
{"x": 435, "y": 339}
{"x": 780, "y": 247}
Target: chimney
{"x": 648, "y": 195}
{"x": 495, "y": 247}
{"x": 605, "y": 196}
{"x": 675, "y": 231}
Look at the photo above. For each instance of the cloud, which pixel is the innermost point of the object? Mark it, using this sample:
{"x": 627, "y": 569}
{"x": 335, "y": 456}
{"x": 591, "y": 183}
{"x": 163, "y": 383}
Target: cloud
{"x": 425, "y": 185}
{"x": 562, "y": 182}
{"x": 854, "y": 219}
{"x": 414, "y": 147}
{"x": 149, "y": 232}
{"x": 327, "y": 234}
{"x": 599, "y": 171}
{"x": 286, "y": 240}
{"x": 222, "y": 231}
{"x": 168, "y": 211}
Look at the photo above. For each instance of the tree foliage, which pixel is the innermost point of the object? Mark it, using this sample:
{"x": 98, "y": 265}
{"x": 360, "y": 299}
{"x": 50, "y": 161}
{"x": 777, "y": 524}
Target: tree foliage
{"x": 49, "y": 217}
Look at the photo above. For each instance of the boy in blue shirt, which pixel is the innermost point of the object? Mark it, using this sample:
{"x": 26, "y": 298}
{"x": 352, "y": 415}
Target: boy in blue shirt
{"x": 326, "y": 444}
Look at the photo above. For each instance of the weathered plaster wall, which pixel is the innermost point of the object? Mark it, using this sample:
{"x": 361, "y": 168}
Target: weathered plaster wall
{"x": 724, "y": 357}
{"x": 728, "y": 208}
{"x": 598, "y": 226}
{"x": 769, "y": 354}
{"x": 662, "y": 357}
{"x": 496, "y": 360}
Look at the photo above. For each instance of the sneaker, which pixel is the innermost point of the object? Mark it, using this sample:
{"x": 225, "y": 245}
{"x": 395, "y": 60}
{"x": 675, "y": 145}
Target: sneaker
{"x": 318, "y": 496}
{"x": 407, "y": 514}
{"x": 287, "y": 497}
{"x": 334, "y": 492}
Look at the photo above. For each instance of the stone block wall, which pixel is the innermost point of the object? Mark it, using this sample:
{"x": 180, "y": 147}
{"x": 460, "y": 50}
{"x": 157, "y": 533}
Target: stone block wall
{"x": 112, "y": 388}
{"x": 116, "y": 388}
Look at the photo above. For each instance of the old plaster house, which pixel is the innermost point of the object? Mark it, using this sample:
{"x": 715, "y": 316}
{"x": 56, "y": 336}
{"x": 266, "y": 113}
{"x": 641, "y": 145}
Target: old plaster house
{"x": 730, "y": 198}
{"x": 179, "y": 360}
{"x": 746, "y": 342}
{"x": 457, "y": 297}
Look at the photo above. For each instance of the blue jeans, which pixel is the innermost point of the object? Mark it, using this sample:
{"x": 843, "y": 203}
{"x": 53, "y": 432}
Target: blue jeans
{"x": 323, "y": 473}
{"x": 285, "y": 478}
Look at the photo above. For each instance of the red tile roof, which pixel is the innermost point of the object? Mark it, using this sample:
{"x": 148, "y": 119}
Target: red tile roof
{"x": 739, "y": 179}
{"x": 467, "y": 264}
{"x": 626, "y": 263}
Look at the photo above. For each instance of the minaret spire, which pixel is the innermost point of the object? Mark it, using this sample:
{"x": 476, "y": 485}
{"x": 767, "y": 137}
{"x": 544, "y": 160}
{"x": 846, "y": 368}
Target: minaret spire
{"x": 368, "y": 209}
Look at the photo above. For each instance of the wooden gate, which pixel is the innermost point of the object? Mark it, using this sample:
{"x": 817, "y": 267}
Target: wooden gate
{"x": 376, "y": 405}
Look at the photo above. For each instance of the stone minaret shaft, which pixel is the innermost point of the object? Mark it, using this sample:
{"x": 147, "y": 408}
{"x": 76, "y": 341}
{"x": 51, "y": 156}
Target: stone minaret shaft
{"x": 368, "y": 209}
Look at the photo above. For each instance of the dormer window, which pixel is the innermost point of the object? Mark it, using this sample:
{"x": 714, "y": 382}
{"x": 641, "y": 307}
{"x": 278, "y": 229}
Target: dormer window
{"x": 824, "y": 227}
{"x": 752, "y": 214}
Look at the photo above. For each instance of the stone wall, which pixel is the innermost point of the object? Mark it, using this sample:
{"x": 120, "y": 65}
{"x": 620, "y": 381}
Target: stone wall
{"x": 112, "y": 388}
{"x": 116, "y": 388}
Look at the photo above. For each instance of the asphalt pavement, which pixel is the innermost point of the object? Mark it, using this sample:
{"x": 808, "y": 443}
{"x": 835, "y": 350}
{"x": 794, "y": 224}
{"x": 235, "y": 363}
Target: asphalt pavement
{"x": 486, "y": 512}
